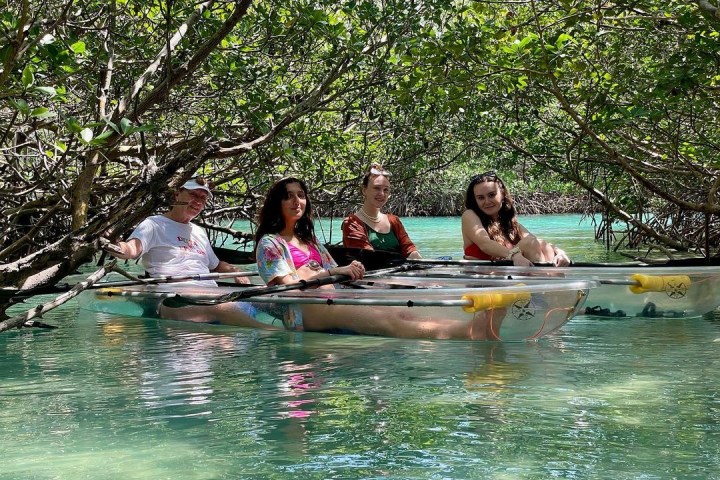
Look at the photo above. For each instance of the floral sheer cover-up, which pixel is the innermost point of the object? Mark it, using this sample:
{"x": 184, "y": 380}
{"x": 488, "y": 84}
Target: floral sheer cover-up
{"x": 275, "y": 260}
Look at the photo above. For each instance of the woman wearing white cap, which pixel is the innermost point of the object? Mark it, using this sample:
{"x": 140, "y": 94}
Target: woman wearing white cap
{"x": 171, "y": 245}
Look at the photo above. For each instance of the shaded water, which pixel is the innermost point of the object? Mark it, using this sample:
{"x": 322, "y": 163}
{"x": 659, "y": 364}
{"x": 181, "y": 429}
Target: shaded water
{"x": 112, "y": 397}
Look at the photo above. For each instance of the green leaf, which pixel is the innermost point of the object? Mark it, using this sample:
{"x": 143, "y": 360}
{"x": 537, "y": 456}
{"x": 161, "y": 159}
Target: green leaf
{"x": 142, "y": 128}
{"x": 73, "y": 125}
{"x": 61, "y": 146}
{"x": 41, "y": 112}
{"x": 564, "y": 37}
{"x": 125, "y": 125}
{"x": 100, "y": 139}
{"x": 27, "y": 77}
{"x": 20, "y": 105}
{"x": 78, "y": 47}
{"x": 49, "y": 91}
{"x": 113, "y": 126}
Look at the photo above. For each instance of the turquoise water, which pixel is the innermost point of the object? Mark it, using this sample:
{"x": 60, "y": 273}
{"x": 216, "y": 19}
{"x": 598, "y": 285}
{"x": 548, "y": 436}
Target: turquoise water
{"x": 440, "y": 236}
{"x": 112, "y": 397}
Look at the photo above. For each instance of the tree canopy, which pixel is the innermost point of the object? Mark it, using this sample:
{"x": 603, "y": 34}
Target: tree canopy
{"x": 106, "y": 105}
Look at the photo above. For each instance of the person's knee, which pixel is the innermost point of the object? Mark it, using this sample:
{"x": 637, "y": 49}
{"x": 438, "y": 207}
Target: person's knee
{"x": 531, "y": 249}
{"x": 536, "y": 249}
{"x": 236, "y": 313}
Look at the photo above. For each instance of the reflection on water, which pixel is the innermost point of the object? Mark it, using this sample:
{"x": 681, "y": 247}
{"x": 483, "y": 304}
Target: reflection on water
{"x": 126, "y": 398}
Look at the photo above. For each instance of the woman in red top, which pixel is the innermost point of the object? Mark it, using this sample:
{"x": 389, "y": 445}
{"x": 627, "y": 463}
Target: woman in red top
{"x": 491, "y": 231}
{"x": 371, "y": 229}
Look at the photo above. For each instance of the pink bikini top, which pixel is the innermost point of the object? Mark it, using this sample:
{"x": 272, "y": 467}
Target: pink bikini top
{"x": 300, "y": 258}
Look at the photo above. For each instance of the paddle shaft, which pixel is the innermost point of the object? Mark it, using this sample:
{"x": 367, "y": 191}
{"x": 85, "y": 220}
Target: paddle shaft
{"x": 508, "y": 263}
{"x": 170, "y": 297}
{"x": 175, "y": 279}
{"x": 607, "y": 281}
{"x": 66, "y": 287}
{"x": 180, "y": 301}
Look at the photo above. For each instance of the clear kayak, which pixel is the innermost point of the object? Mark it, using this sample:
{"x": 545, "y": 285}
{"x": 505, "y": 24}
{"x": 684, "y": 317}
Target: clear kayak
{"x": 625, "y": 291}
{"x": 495, "y": 309}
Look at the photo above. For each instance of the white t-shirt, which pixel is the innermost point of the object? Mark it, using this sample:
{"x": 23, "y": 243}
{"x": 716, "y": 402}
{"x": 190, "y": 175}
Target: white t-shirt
{"x": 174, "y": 248}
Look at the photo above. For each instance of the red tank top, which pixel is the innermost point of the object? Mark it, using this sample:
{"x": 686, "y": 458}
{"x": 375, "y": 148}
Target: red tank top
{"x": 473, "y": 250}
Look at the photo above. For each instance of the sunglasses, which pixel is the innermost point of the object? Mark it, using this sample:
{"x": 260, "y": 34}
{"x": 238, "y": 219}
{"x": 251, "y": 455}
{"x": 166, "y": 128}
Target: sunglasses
{"x": 379, "y": 170}
{"x": 489, "y": 175}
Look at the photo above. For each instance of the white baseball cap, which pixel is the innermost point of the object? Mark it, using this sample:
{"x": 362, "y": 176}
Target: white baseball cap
{"x": 193, "y": 184}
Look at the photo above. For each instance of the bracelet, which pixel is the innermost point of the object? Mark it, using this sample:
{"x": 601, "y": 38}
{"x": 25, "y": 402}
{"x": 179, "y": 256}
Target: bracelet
{"x": 512, "y": 252}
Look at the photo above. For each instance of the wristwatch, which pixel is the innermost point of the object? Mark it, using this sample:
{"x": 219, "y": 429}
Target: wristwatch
{"x": 512, "y": 252}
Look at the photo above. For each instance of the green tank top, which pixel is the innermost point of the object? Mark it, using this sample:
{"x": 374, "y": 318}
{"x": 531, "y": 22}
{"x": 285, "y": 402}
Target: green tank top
{"x": 384, "y": 241}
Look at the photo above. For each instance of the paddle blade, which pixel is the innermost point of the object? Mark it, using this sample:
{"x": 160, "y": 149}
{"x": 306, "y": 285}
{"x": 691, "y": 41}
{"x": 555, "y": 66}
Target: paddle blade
{"x": 371, "y": 259}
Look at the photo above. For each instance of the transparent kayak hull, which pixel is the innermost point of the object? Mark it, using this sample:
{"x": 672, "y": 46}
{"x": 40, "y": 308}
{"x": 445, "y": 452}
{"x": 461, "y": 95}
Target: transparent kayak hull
{"x": 492, "y": 310}
{"x": 624, "y": 292}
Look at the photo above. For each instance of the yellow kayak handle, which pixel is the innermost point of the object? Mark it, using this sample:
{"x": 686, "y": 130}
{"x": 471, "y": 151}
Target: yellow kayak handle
{"x": 108, "y": 293}
{"x": 658, "y": 283}
{"x": 486, "y": 301}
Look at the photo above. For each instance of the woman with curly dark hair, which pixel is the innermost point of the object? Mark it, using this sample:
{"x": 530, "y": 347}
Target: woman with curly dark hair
{"x": 287, "y": 251}
{"x": 491, "y": 231}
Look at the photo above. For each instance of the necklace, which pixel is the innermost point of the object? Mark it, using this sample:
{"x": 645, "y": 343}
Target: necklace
{"x": 374, "y": 219}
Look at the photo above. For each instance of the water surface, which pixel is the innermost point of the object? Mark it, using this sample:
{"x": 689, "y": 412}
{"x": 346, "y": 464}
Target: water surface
{"x": 107, "y": 396}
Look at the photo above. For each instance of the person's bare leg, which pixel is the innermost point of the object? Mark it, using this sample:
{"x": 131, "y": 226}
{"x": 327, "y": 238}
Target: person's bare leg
{"x": 486, "y": 324}
{"x": 534, "y": 249}
{"x": 224, "y": 313}
{"x": 383, "y": 321}
{"x": 547, "y": 251}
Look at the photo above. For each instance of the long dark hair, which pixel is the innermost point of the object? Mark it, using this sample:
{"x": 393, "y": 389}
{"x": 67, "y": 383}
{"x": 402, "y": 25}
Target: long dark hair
{"x": 270, "y": 219}
{"x": 506, "y": 227}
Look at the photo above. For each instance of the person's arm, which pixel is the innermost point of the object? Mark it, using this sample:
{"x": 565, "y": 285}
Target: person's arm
{"x": 355, "y": 269}
{"x": 141, "y": 239}
{"x": 355, "y": 234}
{"x": 129, "y": 250}
{"x": 551, "y": 253}
{"x": 473, "y": 230}
{"x": 407, "y": 247}
{"x": 274, "y": 261}
{"x": 225, "y": 267}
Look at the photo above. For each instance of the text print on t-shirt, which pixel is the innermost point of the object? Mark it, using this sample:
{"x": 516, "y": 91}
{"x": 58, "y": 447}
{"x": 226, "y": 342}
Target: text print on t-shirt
{"x": 190, "y": 245}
